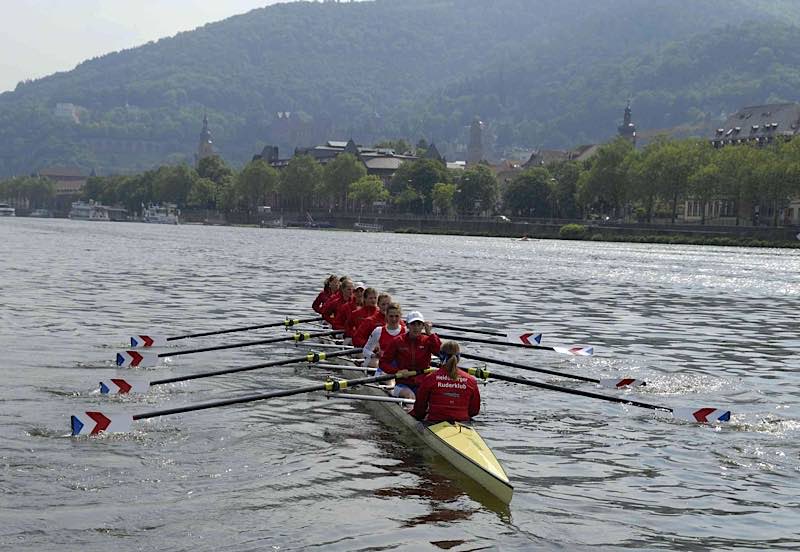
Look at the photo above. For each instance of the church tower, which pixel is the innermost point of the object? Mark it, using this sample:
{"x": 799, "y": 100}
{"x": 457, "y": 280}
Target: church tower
{"x": 475, "y": 147}
{"x": 627, "y": 129}
{"x": 205, "y": 147}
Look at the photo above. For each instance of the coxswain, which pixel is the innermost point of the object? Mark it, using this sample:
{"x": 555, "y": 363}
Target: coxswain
{"x": 449, "y": 394}
{"x": 411, "y": 352}
{"x": 380, "y": 338}
{"x": 329, "y": 288}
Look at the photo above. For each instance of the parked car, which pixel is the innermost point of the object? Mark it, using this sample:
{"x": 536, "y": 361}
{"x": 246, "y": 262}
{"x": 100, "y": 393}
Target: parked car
{"x": 501, "y": 218}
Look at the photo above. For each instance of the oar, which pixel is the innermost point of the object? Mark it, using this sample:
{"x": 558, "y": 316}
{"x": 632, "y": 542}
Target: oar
{"x": 147, "y": 360}
{"x": 701, "y": 415}
{"x": 614, "y": 383}
{"x": 155, "y": 340}
{"x": 578, "y": 350}
{"x": 513, "y": 337}
{"x": 92, "y": 422}
{"x": 124, "y": 386}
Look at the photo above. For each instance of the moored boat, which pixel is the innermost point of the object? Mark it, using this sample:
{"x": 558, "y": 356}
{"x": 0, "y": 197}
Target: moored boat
{"x": 88, "y": 211}
{"x": 459, "y": 444}
{"x": 158, "y": 214}
{"x": 7, "y": 210}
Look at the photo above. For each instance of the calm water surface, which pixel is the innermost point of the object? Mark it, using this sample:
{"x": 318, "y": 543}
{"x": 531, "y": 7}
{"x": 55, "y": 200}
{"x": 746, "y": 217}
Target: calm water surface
{"x": 704, "y": 326}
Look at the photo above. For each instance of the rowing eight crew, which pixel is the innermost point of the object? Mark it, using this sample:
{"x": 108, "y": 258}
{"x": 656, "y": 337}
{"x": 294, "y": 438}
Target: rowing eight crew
{"x": 374, "y": 322}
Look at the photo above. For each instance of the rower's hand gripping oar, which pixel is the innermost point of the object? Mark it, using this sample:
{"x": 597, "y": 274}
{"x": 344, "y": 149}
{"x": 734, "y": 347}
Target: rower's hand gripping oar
{"x": 699, "y": 415}
{"x": 93, "y": 422}
{"x": 577, "y": 350}
{"x": 156, "y": 340}
{"x": 148, "y": 360}
{"x": 613, "y": 383}
{"x": 523, "y": 337}
{"x": 124, "y": 386}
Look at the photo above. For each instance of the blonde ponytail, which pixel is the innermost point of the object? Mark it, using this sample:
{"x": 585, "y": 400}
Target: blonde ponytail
{"x": 451, "y": 356}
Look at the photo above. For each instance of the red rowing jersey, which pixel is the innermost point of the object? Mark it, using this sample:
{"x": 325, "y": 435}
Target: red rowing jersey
{"x": 355, "y": 319}
{"x": 441, "y": 399}
{"x": 366, "y": 327}
{"x": 330, "y": 306}
{"x": 321, "y": 299}
{"x": 343, "y": 311}
{"x": 406, "y": 353}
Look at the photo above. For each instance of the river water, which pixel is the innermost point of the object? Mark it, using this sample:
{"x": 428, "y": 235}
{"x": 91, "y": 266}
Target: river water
{"x": 704, "y": 326}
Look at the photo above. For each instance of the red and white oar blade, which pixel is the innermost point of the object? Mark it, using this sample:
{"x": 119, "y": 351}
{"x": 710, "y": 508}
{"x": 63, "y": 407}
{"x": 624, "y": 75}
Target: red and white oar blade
{"x": 621, "y": 383}
{"x": 136, "y": 359}
{"x": 526, "y": 338}
{"x": 577, "y": 350}
{"x": 91, "y": 422}
{"x": 702, "y": 415}
{"x": 123, "y": 386}
{"x": 147, "y": 340}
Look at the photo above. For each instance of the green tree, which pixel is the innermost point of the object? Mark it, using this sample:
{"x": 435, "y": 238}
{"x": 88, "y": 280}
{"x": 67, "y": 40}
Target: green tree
{"x": 173, "y": 184}
{"x": 202, "y": 195}
{"x": 214, "y": 167}
{"x": 367, "y": 190}
{"x": 607, "y": 181}
{"x": 443, "y": 195}
{"x": 421, "y": 176}
{"x": 564, "y": 182}
{"x": 256, "y": 184}
{"x": 299, "y": 180}
{"x": 477, "y": 190}
{"x": 339, "y": 174}
{"x": 705, "y": 184}
{"x": 529, "y": 193}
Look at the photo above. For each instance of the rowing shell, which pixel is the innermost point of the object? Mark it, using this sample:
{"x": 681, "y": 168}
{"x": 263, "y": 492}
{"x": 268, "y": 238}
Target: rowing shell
{"x": 458, "y": 443}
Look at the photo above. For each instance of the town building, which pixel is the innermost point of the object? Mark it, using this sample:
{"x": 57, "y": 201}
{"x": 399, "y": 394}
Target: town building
{"x": 475, "y": 152}
{"x": 205, "y": 146}
{"x": 759, "y": 125}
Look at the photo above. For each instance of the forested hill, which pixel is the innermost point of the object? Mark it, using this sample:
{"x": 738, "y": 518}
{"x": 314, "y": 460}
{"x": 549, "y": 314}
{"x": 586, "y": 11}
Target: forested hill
{"x": 540, "y": 72}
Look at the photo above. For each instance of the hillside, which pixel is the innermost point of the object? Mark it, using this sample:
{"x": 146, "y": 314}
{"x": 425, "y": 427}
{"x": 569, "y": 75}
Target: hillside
{"x": 540, "y": 72}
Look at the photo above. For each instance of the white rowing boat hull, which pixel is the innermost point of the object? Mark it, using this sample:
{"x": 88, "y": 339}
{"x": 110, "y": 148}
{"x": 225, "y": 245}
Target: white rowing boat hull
{"x": 460, "y": 444}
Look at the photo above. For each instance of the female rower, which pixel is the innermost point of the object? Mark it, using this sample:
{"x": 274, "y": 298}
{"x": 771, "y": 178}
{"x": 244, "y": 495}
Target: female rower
{"x": 358, "y": 292}
{"x": 448, "y": 394}
{"x": 330, "y": 306}
{"x": 411, "y": 351}
{"x": 368, "y": 310}
{"x": 381, "y": 336}
{"x": 345, "y": 306}
{"x": 368, "y": 325}
{"x": 329, "y": 288}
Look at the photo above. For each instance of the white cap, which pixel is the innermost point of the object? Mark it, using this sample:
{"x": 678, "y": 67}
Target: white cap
{"x": 361, "y": 285}
{"x": 414, "y": 316}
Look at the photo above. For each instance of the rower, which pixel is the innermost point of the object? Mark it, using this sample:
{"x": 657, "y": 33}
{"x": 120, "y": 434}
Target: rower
{"x": 368, "y": 325}
{"x": 330, "y": 306}
{"x": 358, "y": 292}
{"x": 411, "y": 351}
{"x": 382, "y": 336}
{"x": 345, "y": 306}
{"x": 329, "y": 288}
{"x": 449, "y": 394}
{"x": 368, "y": 310}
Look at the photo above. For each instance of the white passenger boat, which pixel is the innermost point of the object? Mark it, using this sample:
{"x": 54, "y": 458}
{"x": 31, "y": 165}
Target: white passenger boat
{"x": 158, "y": 214}
{"x": 7, "y": 210}
{"x": 458, "y": 443}
{"x": 88, "y": 211}
{"x": 367, "y": 227}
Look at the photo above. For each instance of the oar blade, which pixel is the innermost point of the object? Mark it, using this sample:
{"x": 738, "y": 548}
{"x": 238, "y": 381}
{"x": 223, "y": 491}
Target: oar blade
{"x": 702, "y": 415}
{"x": 621, "y": 383}
{"x": 135, "y": 359}
{"x": 576, "y": 350}
{"x": 144, "y": 341}
{"x": 123, "y": 386}
{"x": 527, "y": 338}
{"x": 92, "y": 422}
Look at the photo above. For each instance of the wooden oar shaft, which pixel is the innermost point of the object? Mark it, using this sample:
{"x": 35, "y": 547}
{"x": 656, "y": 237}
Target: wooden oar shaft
{"x": 286, "y": 323}
{"x": 293, "y": 337}
{"x": 493, "y": 342}
{"x": 530, "y": 368}
{"x": 478, "y": 373}
{"x": 327, "y": 386}
{"x": 310, "y": 357}
{"x": 470, "y": 330}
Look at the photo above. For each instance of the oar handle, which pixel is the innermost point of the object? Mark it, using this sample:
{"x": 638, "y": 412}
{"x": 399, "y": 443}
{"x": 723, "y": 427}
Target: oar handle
{"x": 293, "y": 337}
{"x": 288, "y": 323}
{"x": 470, "y": 330}
{"x": 310, "y": 357}
{"x": 530, "y": 368}
{"x": 327, "y": 386}
{"x": 494, "y": 342}
{"x": 480, "y": 373}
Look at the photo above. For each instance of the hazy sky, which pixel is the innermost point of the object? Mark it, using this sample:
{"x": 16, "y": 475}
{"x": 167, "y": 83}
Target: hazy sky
{"x": 40, "y": 37}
